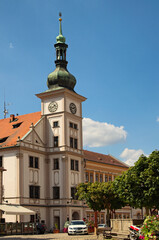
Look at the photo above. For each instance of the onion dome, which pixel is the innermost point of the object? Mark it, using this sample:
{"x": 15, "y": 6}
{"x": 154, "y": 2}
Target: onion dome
{"x": 61, "y": 77}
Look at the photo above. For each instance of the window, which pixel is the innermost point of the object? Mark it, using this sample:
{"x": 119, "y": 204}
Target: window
{"x": 17, "y": 125}
{"x": 34, "y": 192}
{"x": 110, "y": 178}
{"x": 56, "y": 141}
{"x": 73, "y": 193}
{"x": 101, "y": 177}
{"x": 73, "y": 125}
{"x": 75, "y": 143}
{"x": 56, "y": 124}
{"x": 87, "y": 177}
{"x": 36, "y": 162}
{"x": 56, "y": 192}
{"x": 72, "y": 164}
{"x": 56, "y": 163}
{"x": 3, "y": 139}
{"x": 106, "y": 178}
{"x": 91, "y": 177}
{"x": 97, "y": 177}
{"x": 1, "y": 161}
{"x": 76, "y": 165}
{"x": 33, "y": 162}
{"x": 71, "y": 142}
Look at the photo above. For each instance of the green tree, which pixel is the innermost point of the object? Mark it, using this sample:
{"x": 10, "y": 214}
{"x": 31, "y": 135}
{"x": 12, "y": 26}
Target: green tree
{"x": 99, "y": 196}
{"x": 139, "y": 185}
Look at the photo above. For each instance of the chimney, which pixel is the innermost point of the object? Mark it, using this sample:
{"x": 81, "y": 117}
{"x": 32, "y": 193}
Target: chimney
{"x": 12, "y": 117}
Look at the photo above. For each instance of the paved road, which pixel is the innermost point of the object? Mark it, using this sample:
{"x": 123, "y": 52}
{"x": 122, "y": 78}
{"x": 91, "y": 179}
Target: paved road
{"x": 51, "y": 236}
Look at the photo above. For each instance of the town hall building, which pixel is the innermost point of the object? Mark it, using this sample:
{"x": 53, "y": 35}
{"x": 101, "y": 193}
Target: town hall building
{"x": 43, "y": 157}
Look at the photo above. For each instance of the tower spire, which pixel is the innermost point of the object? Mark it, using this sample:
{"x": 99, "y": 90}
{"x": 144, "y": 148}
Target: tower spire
{"x": 60, "y": 38}
{"x": 60, "y": 77}
{"x": 60, "y": 19}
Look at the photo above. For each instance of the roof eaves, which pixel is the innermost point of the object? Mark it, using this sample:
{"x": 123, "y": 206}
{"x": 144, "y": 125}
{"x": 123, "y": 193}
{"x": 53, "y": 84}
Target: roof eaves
{"x": 102, "y": 162}
{"x": 126, "y": 165}
{"x": 16, "y": 145}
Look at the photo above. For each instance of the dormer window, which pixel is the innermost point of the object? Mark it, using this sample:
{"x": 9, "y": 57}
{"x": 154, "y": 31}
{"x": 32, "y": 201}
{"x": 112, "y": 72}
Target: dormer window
{"x": 2, "y": 140}
{"x": 17, "y": 125}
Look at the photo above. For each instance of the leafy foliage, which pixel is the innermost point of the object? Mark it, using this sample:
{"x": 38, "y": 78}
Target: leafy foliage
{"x": 150, "y": 227}
{"x": 139, "y": 185}
{"x": 99, "y": 196}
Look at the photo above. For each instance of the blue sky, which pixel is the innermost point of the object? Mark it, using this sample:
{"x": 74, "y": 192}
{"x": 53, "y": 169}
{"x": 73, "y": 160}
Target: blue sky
{"x": 113, "y": 53}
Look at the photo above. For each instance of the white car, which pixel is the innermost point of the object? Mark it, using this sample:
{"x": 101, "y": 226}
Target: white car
{"x": 102, "y": 225}
{"x": 77, "y": 227}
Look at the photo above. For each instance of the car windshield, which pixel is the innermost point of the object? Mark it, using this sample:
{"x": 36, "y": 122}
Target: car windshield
{"x": 77, "y": 223}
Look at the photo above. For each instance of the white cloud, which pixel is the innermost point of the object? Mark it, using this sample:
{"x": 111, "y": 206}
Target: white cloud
{"x": 158, "y": 119}
{"x": 131, "y": 155}
{"x": 98, "y": 134}
{"x": 11, "y": 45}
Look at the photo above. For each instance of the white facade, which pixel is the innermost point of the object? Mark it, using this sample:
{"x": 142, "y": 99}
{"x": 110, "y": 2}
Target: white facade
{"x": 39, "y": 143}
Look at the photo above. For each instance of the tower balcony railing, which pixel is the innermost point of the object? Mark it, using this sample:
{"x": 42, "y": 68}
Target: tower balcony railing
{"x": 61, "y": 148}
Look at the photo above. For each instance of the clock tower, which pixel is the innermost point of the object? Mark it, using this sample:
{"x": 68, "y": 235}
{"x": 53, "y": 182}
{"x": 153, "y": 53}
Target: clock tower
{"x": 61, "y": 107}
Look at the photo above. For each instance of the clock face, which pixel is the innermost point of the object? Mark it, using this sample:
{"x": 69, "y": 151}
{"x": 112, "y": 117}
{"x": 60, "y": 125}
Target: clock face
{"x": 53, "y": 106}
{"x": 73, "y": 108}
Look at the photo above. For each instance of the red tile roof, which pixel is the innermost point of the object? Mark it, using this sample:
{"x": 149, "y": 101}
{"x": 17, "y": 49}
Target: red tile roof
{"x": 10, "y": 130}
{"x": 102, "y": 158}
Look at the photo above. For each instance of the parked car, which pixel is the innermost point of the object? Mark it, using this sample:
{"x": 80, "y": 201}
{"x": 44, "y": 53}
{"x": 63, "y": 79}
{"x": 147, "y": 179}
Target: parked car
{"x": 102, "y": 225}
{"x": 77, "y": 227}
{"x": 41, "y": 228}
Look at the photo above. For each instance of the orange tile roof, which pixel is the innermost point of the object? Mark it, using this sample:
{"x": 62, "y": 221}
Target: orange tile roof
{"x": 102, "y": 158}
{"x": 8, "y": 131}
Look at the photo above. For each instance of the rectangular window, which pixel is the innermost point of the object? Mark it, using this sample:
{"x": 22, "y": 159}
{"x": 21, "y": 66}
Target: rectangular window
{"x": 36, "y": 162}
{"x": 55, "y": 124}
{"x": 106, "y": 178}
{"x": 71, "y": 142}
{"x": 33, "y": 162}
{"x": 73, "y": 193}
{"x": 56, "y": 141}
{"x": 56, "y": 163}
{"x": 72, "y": 164}
{"x": 75, "y": 143}
{"x": 34, "y": 192}
{"x": 97, "y": 177}
{"x": 76, "y": 165}
{"x": 110, "y": 178}
{"x": 1, "y": 161}
{"x": 56, "y": 192}
{"x": 101, "y": 177}
{"x": 91, "y": 177}
{"x": 75, "y": 126}
{"x": 87, "y": 177}
{"x": 71, "y": 125}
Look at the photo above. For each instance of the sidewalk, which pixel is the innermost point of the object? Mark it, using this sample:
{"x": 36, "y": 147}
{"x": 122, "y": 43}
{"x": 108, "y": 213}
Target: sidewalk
{"x": 51, "y": 236}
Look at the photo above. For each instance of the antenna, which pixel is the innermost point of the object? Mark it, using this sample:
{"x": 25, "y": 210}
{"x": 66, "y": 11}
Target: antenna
{"x": 5, "y": 111}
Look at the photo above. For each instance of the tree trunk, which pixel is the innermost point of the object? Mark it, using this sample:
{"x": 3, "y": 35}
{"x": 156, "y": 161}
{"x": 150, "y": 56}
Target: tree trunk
{"x": 147, "y": 211}
{"x": 108, "y": 218}
{"x": 95, "y": 218}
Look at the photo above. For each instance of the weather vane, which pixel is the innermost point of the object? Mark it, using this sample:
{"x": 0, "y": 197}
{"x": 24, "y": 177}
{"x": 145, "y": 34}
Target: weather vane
{"x": 60, "y": 14}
